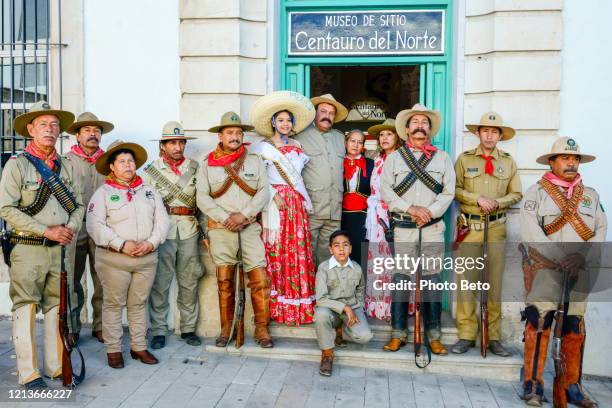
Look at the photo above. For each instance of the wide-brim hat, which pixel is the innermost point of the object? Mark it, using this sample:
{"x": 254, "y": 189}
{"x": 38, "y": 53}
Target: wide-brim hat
{"x": 20, "y": 124}
{"x": 140, "y": 155}
{"x": 388, "y": 124}
{"x": 173, "y": 130}
{"x": 230, "y": 119}
{"x": 89, "y": 119}
{"x": 565, "y": 145}
{"x": 264, "y": 108}
{"x": 404, "y": 116}
{"x": 493, "y": 119}
{"x": 341, "y": 111}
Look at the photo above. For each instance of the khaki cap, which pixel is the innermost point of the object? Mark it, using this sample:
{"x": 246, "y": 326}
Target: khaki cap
{"x": 404, "y": 116}
{"x": 493, "y": 119}
{"x": 565, "y": 145}
{"x": 140, "y": 155}
{"x": 341, "y": 111}
{"x": 230, "y": 119}
{"x": 89, "y": 119}
{"x": 41, "y": 108}
{"x": 173, "y": 130}
{"x": 388, "y": 124}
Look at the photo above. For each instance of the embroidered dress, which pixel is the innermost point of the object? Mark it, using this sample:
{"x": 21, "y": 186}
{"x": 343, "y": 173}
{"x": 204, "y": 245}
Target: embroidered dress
{"x": 377, "y": 302}
{"x": 286, "y": 237}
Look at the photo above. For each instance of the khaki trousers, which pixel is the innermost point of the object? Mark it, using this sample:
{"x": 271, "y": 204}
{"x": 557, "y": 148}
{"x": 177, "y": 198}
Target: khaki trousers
{"x": 127, "y": 283}
{"x": 321, "y": 230}
{"x": 180, "y": 258}
{"x": 225, "y": 247}
{"x": 326, "y": 321}
{"x": 467, "y": 321}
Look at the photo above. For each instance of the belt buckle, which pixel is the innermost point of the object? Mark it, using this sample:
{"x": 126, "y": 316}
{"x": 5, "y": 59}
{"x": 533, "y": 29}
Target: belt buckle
{"x": 478, "y": 226}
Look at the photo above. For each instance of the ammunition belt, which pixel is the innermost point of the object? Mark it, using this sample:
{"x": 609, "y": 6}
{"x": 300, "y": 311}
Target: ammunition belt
{"x": 19, "y": 238}
{"x": 174, "y": 189}
{"x": 418, "y": 169}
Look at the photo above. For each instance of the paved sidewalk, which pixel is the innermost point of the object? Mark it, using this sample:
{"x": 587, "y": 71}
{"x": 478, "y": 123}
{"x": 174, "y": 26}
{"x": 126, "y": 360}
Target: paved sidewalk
{"x": 190, "y": 377}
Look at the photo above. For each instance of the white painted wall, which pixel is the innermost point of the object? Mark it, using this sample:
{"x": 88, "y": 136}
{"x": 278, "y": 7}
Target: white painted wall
{"x": 585, "y": 114}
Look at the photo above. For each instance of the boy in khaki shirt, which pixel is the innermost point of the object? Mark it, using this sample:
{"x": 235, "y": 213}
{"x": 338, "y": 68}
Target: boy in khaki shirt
{"x": 339, "y": 292}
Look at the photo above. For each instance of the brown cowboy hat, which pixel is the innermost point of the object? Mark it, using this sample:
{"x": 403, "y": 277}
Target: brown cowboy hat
{"x": 262, "y": 110}
{"x": 565, "y": 145}
{"x": 230, "y": 119}
{"x": 21, "y": 122}
{"x": 388, "y": 124}
{"x": 140, "y": 155}
{"x": 492, "y": 119}
{"x": 89, "y": 119}
{"x": 173, "y": 131}
{"x": 341, "y": 111}
{"x": 404, "y": 116}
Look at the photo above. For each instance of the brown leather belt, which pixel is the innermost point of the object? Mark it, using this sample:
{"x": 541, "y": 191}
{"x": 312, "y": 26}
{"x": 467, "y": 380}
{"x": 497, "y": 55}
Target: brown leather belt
{"x": 180, "y": 210}
{"x": 109, "y": 249}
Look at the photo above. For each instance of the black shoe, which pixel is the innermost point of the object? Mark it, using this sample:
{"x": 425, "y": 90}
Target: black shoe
{"x": 496, "y": 348}
{"x": 36, "y": 384}
{"x": 462, "y": 346}
{"x": 158, "y": 342}
{"x": 191, "y": 339}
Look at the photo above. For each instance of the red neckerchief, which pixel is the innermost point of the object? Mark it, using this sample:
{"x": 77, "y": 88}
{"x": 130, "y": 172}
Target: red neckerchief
{"x": 112, "y": 181}
{"x": 173, "y": 164}
{"x": 48, "y": 159}
{"x": 351, "y": 165}
{"x": 569, "y": 185}
{"x": 220, "y": 158}
{"x": 76, "y": 149}
{"x": 426, "y": 149}
{"x": 489, "y": 168}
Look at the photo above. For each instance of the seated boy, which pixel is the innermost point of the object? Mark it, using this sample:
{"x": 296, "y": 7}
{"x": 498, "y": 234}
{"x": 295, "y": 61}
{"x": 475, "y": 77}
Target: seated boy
{"x": 339, "y": 291}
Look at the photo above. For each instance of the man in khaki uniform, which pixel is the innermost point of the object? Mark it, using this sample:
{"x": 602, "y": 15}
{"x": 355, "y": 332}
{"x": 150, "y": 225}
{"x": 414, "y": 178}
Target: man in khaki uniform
{"x": 323, "y": 174}
{"x": 487, "y": 184}
{"x": 41, "y": 223}
{"x": 560, "y": 215}
{"x": 88, "y": 130}
{"x": 232, "y": 188}
{"x": 418, "y": 200}
{"x": 174, "y": 176}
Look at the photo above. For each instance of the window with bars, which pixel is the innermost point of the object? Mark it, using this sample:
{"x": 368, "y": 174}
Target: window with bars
{"x": 24, "y": 56}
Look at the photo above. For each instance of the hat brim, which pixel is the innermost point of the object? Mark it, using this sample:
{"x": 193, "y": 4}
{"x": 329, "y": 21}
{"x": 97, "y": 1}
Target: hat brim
{"x": 341, "y": 111}
{"x": 584, "y": 158}
{"x": 21, "y": 122}
{"x": 173, "y": 137}
{"x": 219, "y": 128}
{"x": 140, "y": 157}
{"x": 402, "y": 119}
{"x": 376, "y": 129}
{"x": 262, "y": 110}
{"x": 507, "y": 132}
{"x": 104, "y": 126}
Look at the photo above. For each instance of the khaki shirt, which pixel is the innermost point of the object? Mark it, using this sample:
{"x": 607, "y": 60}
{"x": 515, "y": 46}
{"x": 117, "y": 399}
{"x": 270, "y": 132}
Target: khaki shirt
{"x": 211, "y": 178}
{"x": 472, "y": 181}
{"x": 395, "y": 171}
{"x": 18, "y": 188}
{"x": 181, "y": 226}
{"x": 87, "y": 179}
{"x": 323, "y": 174}
{"x": 339, "y": 286}
{"x": 112, "y": 219}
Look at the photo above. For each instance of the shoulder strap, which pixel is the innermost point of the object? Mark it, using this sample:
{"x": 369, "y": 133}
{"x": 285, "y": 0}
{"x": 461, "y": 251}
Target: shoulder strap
{"x": 417, "y": 172}
{"x": 278, "y": 165}
{"x": 175, "y": 190}
{"x": 234, "y": 177}
{"x": 53, "y": 184}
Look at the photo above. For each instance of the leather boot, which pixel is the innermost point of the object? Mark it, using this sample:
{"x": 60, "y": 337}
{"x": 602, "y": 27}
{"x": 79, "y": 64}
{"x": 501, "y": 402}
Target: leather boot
{"x": 438, "y": 348}
{"x": 339, "y": 341}
{"x": 260, "y": 298}
{"x": 572, "y": 348}
{"x": 24, "y": 340}
{"x": 327, "y": 362}
{"x": 225, "y": 282}
{"x": 536, "y": 347}
{"x": 144, "y": 356}
{"x": 53, "y": 345}
{"x": 394, "y": 344}
{"x": 115, "y": 360}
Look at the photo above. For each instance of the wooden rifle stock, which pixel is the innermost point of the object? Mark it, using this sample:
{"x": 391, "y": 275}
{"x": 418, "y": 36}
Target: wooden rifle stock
{"x": 241, "y": 301}
{"x": 559, "y": 395}
{"x": 67, "y": 374}
{"x": 484, "y": 294}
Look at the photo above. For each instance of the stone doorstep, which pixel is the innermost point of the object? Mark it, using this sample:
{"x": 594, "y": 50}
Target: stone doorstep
{"x": 371, "y": 355}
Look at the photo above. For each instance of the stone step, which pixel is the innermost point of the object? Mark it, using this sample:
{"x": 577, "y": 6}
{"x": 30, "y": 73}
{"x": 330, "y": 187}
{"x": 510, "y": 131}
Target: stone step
{"x": 371, "y": 355}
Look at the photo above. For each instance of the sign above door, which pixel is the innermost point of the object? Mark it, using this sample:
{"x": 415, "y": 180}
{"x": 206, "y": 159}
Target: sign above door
{"x": 388, "y": 32}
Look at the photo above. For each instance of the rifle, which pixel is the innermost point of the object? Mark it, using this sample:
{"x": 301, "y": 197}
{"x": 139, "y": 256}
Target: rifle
{"x": 238, "y": 321}
{"x": 421, "y": 359}
{"x": 559, "y": 395}
{"x": 484, "y": 294}
{"x": 69, "y": 379}
{"x": 5, "y": 241}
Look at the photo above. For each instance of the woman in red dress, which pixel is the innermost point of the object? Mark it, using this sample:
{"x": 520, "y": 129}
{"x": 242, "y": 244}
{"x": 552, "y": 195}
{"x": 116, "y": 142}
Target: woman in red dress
{"x": 286, "y": 232}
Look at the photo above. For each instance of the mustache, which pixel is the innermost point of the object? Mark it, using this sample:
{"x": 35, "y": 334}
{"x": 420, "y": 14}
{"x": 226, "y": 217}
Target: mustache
{"x": 570, "y": 170}
{"x": 326, "y": 120}
{"x": 414, "y": 132}
{"x": 234, "y": 141}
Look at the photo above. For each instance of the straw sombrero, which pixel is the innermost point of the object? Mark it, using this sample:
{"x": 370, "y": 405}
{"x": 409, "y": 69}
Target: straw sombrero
{"x": 140, "y": 155}
{"x": 388, "y": 124}
{"x": 40, "y": 108}
{"x": 301, "y": 108}
{"x": 173, "y": 131}
{"x": 89, "y": 119}
{"x": 230, "y": 119}
{"x": 493, "y": 119}
{"x": 404, "y": 116}
{"x": 565, "y": 145}
{"x": 341, "y": 111}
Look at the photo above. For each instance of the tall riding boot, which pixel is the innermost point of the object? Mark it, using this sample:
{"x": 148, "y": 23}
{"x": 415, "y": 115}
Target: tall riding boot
{"x": 537, "y": 337}
{"x": 226, "y": 288}
{"x": 24, "y": 340}
{"x": 260, "y": 298}
{"x": 572, "y": 350}
{"x": 53, "y": 345}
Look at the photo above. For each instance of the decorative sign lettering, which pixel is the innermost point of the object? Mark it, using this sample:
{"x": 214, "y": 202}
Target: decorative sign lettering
{"x": 407, "y": 32}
